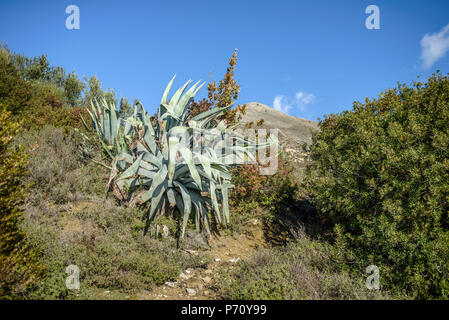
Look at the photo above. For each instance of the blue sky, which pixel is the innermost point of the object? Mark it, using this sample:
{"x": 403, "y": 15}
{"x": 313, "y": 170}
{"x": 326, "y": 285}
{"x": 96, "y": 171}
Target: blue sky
{"x": 309, "y": 58}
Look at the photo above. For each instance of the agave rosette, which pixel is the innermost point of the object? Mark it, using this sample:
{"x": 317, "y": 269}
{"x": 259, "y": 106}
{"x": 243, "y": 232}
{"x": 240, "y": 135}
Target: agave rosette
{"x": 175, "y": 162}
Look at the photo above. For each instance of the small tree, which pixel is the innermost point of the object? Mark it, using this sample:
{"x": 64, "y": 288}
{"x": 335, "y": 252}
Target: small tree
{"x": 224, "y": 95}
{"x": 73, "y": 87}
{"x": 95, "y": 92}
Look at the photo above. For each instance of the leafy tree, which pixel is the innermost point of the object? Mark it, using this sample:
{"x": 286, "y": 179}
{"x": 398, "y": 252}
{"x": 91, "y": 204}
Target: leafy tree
{"x": 73, "y": 87}
{"x": 15, "y": 93}
{"x": 37, "y": 68}
{"x": 125, "y": 106}
{"x": 95, "y": 92}
{"x": 381, "y": 174}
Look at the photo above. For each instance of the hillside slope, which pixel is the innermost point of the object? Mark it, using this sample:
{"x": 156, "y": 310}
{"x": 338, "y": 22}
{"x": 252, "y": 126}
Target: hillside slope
{"x": 292, "y": 128}
{"x": 293, "y": 131}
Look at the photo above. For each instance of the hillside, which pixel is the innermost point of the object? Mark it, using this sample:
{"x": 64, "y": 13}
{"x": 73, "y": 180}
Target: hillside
{"x": 293, "y": 131}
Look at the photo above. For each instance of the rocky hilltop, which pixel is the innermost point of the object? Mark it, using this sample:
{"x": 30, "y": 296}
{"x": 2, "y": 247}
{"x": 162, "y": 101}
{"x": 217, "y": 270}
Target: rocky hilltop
{"x": 293, "y": 131}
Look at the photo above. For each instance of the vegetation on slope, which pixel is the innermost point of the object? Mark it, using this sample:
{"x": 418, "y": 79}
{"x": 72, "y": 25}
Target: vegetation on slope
{"x": 375, "y": 192}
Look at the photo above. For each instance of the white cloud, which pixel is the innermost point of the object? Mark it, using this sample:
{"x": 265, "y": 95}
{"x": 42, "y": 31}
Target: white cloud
{"x": 281, "y": 103}
{"x": 300, "y": 100}
{"x": 434, "y": 46}
{"x": 303, "y": 99}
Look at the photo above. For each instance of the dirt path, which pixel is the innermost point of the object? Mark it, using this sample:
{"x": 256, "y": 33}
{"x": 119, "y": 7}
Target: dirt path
{"x": 197, "y": 284}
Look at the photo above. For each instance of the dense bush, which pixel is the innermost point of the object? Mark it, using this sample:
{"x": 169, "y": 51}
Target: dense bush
{"x": 381, "y": 173}
{"x": 19, "y": 264}
{"x": 15, "y": 93}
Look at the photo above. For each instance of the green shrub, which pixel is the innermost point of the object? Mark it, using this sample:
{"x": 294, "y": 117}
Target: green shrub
{"x": 15, "y": 93}
{"x": 59, "y": 171}
{"x": 19, "y": 264}
{"x": 38, "y": 94}
{"x": 303, "y": 269}
{"x": 100, "y": 238}
{"x": 381, "y": 173}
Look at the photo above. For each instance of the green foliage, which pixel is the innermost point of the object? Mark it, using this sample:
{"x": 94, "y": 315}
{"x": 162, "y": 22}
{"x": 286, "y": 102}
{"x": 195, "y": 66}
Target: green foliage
{"x": 19, "y": 265}
{"x": 381, "y": 173}
{"x": 101, "y": 239}
{"x": 59, "y": 171}
{"x": 73, "y": 87}
{"x": 15, "y": 93}
{"x": 303, "y": 269}
{"x": 125, "y": 107}
{"x": 67, "y": 218}
{"x": 39, "y": 94}
{"x": 34, "y": 100}
{"x": 94, "y": 92}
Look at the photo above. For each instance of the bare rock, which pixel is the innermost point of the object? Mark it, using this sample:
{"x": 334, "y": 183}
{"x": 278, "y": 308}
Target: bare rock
{"x": 170, "y": 284}
{"x": 207, "y": 279}
{"x": 183, "y": 276}
{"x": 191, "y": 292}
{"x": 165, "y": 231}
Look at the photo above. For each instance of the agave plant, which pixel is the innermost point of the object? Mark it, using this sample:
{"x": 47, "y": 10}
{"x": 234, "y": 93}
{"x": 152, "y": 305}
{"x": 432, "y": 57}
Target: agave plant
{"x": 106, "y": 121}
{"x": 176, "y": 163}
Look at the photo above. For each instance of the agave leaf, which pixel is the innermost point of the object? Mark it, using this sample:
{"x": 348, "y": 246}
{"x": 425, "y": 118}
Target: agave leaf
{"x": 84, "y": 123}
{"x": 211, "y": 113}
{"x": 186, "y": 98}
{"x": 175, "y": 99}
{"x": 158, "y": 194}
{"x": 130, "y": 183}
{"x": 158, "y": 179}
{"x": 154, "y": 160}
{"x": 94, "y": 120}
{"x": 187, "y": 205}
{"x": 187, "y": 155}
{"x": 225, "y": 202}
{"x": 132, "y": 170}
{"x": 213, "y": 197}
{"x": 167, "y": 90}
{"x": 146, "y": 173}
{"x": 173, "y": 144}
{"x": 197, "y": 201}
{"x": 180, "y": 170}
{"x": 123, "y": 156}
{"x": 107, "y": 124}
{"x": 171, "y": 197}
{"x": 147, "y": 166}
